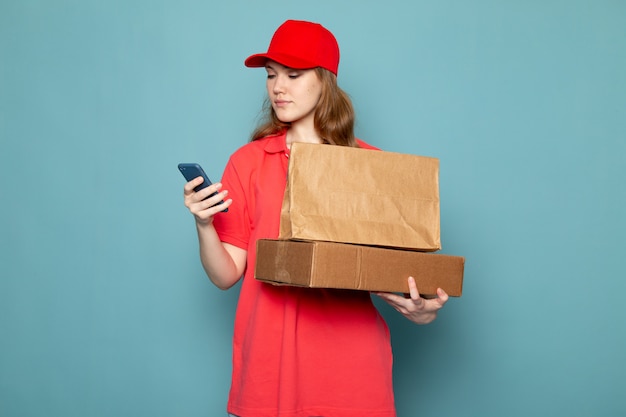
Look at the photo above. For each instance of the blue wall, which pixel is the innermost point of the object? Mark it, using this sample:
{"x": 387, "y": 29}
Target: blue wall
{"x": 104, "y": 308}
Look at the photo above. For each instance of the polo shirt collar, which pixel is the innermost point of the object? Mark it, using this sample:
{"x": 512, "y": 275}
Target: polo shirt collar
{"x": 277, "y": 143}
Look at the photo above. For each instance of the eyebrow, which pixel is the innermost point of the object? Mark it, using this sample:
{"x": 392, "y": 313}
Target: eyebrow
{"x": 269, "y": 66}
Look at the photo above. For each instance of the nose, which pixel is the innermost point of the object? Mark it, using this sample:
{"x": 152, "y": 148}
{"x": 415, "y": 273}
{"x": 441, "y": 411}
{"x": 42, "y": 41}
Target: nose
{"x": 278, "y": 84}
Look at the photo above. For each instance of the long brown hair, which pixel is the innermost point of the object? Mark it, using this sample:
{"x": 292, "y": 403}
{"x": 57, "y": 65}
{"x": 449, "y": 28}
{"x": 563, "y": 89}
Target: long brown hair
{"x": 334, "y": 115}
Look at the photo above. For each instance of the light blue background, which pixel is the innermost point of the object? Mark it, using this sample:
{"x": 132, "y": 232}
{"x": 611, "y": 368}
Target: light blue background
{"x": 104, "y": 308}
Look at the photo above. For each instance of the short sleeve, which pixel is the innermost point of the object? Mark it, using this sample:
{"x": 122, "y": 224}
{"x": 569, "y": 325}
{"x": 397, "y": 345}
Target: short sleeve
{"x": 233, "y": 226}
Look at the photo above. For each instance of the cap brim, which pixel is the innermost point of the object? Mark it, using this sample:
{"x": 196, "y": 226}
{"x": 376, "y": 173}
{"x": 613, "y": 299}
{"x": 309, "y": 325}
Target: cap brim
{"x": 259, "y": 60}
{"x": 256, "y": 61}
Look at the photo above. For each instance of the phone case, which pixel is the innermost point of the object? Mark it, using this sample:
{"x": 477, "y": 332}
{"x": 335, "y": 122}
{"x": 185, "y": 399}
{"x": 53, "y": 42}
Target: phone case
{"x": 191, "y": 171}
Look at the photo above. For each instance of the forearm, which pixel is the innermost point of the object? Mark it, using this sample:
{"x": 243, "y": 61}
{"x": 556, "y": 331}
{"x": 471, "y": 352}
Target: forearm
{"x": 224, "y": 264}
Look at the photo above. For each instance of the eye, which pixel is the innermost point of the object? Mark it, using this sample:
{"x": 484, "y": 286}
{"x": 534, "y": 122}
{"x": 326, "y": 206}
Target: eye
{"x": 271, "y": 76}
{"x": 294, "y": 75}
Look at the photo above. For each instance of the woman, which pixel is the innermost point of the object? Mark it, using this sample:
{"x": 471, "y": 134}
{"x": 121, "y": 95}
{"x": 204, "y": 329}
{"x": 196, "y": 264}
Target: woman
{"x": 297, "y": 352}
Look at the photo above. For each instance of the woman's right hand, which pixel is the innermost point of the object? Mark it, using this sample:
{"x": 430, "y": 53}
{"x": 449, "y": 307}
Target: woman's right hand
{"x": 224, "y": 263}
{"x": 201, "y": 206}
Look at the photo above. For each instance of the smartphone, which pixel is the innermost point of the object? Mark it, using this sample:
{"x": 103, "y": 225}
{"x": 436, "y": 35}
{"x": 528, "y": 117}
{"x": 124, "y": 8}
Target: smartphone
{"x": 192, "y": 171}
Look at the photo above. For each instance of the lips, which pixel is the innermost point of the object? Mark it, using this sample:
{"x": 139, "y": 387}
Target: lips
{"x": 280, "y": 103}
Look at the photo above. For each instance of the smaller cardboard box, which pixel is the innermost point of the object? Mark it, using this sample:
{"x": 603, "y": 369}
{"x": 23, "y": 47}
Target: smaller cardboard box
{"x": 339, "y": 265}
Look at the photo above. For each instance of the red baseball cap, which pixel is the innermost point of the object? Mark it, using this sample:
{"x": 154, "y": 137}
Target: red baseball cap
{"x": 300, "y": 45}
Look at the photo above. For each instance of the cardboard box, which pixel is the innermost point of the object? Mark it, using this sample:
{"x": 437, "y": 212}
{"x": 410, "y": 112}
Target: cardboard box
{"x": 361, "y": 196}
{"x": 340, "y": 265}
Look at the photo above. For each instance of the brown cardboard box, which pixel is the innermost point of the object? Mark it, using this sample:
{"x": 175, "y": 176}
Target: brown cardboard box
{"x": 361, "y": 196}
{"x": 340, "y": 265}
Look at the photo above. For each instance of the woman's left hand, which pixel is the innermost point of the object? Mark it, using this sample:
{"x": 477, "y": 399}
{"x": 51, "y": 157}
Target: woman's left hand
{"x": 417, "y": 309}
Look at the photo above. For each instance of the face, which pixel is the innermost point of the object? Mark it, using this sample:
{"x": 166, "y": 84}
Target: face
{"x": 294, "y": 94}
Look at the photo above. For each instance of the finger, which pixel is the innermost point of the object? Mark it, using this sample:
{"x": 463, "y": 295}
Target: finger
{"x": 437, "y": 303}
{"x": 204, "y": 198}
{"x": 215, "y": 208}
{"x": 415, "y": 294}
{"x": 390, "y": 298}
{"x": 204, "y": 214}
{"x": 417, "y": 300}
{"x": 191, "y": 185}
{"x": 384, "y": 295}
{"x": 442, "y": 296}
{"x": 216, "y": 200}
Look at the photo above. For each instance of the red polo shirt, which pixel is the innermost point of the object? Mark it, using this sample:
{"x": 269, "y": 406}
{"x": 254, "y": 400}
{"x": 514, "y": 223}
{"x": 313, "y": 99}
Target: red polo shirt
{"x": 297, "y": 352}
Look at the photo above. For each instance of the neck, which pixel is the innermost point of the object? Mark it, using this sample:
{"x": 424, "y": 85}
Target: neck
{"x": 298, "y": 133}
